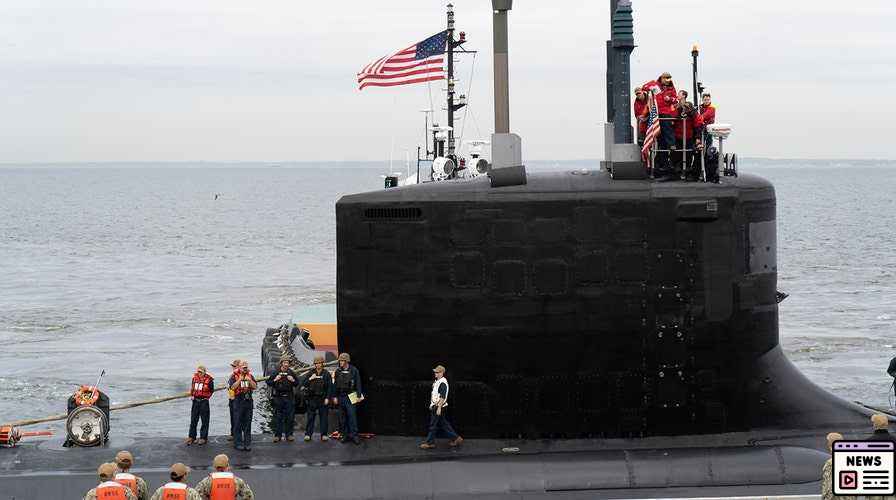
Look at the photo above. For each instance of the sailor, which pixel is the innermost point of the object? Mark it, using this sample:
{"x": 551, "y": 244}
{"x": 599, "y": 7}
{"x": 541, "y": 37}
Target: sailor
{"x": 708, "y": 113}
{"x": 284, "y": 401}
{"x": 201, "y": 389}
{"x": 318, "y": 389}
{"x": 691, "y": 123}
{"x": 177, "y": 489}
{"x": 666, "y": 99}
{"x": 242, "y": 384}
{"x": 642, "y": 112}
{"x": 880, "y": 424}
{"x": 124, "y": 460}
{"x": 438, "y": 412}
{"x": 109, "y": 489}
{"x": 827, "y": 484}
{"x": 235, "y": 367}
{"x": 221, "y": 484}
{"x": 347, "y": 386}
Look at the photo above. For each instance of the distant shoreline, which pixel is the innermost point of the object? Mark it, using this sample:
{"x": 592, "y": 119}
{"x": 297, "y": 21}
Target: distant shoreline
{"x": 396, "y": 165}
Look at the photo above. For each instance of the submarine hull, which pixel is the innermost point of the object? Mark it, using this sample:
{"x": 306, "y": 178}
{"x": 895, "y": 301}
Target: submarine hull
{"x": 572, "y": 306}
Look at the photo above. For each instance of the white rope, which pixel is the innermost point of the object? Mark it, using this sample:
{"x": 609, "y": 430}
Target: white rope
{"x": 463, "y": 125}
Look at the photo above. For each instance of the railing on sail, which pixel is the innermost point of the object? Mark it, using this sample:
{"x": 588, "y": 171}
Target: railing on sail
{"x": 684, "y": 150}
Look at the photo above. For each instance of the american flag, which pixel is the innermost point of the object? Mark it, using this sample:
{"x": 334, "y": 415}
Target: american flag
{"x": 421, "y": 62}
{"x": 653, "y": 129}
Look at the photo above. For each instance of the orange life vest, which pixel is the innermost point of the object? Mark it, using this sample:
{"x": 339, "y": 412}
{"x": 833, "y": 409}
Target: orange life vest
{"x": 200, "y": 388}
{"x": 110, "y": 490}
{"x": 223, "y": 486}
{"x": 127, "y": 479}
{"x": 174, "y": 491}
{"x": 86, "y": 396}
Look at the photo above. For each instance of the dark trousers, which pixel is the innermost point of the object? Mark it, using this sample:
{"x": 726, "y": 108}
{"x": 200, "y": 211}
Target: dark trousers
{"x": 439, "y": 427}
{"x": 232, "y": 418}
{"x": 350, "y": 418}
{"x": 316, "y": 410}
{"x": 200, "y": 410}
{"x": 284, "y": 415}
{"x": 665, "y": 140}
{"x": 242, "y": 436}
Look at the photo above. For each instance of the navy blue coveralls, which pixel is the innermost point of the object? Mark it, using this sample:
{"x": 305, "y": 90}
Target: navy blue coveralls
{"x": 284, "y": 402}
{"x": 348, "y": 380}
{"x": 242, "y": 417}
{"x": 319, "y": 387}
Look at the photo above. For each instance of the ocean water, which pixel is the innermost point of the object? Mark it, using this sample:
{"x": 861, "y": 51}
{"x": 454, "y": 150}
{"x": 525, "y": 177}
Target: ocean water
{"x": 139, "y": 270}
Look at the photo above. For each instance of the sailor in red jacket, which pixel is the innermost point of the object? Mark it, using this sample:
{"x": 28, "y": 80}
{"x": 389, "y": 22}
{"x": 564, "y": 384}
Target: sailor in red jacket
{"x": 708, "y": 113}
{"x": 201, "y": 389}
{"x": 642, "y": 112}
{"x": 691, "y": 123}
{"x": 666, "y": 97}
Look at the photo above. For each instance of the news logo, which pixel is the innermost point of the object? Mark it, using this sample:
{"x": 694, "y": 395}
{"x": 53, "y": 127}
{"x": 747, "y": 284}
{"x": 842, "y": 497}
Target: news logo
{"x": 863, "y": 468}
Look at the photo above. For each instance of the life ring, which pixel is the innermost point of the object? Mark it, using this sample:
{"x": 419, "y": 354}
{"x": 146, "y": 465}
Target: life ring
{"x": 86, "y": 396}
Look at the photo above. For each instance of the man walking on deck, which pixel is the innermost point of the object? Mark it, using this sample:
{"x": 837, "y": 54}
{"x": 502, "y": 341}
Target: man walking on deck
{"x": 284, "y": 401}
{"x": 201, "y": 389}
{"x": 348, "y": 392}
{"x": 109, "y": 489}
{"x": 318, "y": 388}
{"x": 221, "y": 483}
{"x": 438, "y": 409}
{"x": 124, "y": 460}
{"x": 242, "y": 384}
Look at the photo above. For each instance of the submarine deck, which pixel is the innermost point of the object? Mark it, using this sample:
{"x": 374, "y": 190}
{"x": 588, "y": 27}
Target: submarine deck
{"x": 769, "y": 462}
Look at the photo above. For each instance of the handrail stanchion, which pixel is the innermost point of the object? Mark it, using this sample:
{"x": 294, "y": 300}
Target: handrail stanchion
{"x": 684, "y": 148}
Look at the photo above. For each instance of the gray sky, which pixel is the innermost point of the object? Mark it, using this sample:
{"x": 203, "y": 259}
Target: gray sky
{"x": 274, "y": 80}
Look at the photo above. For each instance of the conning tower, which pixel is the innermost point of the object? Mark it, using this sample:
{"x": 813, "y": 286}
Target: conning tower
{"x": 573, "y": 303}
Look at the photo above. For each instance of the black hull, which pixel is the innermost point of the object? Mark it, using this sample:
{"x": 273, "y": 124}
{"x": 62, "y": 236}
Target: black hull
{"x": 572, "y": 306}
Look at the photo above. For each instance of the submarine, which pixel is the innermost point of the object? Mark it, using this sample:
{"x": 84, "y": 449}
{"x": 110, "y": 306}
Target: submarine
{"x": 606, "y": 336}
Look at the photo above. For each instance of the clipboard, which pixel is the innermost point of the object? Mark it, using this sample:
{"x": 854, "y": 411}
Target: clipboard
{"x": 354, "y": 398}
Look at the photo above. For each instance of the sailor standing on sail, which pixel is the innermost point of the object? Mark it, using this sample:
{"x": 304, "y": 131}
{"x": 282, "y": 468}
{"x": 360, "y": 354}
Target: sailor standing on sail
{"x": 438, "y": 405}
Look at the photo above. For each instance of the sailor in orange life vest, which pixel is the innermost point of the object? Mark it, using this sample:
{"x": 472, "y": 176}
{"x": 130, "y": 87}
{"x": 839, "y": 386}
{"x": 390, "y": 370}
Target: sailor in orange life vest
{"x": 109, "y": 489}
{"x": 235, "y": 367}
{"x": 221, "y": 484}
{"x": 242, "y": 384}
{"x": 201, "y": 389}
{"x": 124, "y": 460}
{"x": 177, "y": 489}
{"x": 438, "y": 408}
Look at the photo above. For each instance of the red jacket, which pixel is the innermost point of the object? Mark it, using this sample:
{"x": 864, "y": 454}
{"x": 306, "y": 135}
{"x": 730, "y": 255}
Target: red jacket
{"x": 641, "y": 114}
{"x": 695, "y": 124}
{"x": 666, "y": 97}
{"x": 709, "y": 115}
{"x": 202, "y": 386}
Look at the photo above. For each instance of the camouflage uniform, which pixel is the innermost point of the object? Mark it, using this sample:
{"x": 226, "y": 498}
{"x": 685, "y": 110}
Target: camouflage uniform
{"x": 91, "y": 495}
{"x": 142, "y": 489}
{"x": 827, "y": 485}
{"x": 243, "y": 492}
{"x": 191, "y": 494}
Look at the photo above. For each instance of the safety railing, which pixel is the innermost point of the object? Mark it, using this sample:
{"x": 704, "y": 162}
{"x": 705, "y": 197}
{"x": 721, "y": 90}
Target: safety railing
{"x": 684, "y": 150}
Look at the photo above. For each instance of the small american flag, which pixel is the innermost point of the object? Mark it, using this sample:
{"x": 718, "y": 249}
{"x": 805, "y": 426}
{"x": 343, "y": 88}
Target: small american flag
{"x": 421, "y": 62}
{"x": 653, "y": 129}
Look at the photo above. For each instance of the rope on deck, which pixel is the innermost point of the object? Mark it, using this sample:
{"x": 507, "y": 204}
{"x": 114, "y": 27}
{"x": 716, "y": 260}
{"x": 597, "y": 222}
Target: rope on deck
{"x": 125, "y": 406}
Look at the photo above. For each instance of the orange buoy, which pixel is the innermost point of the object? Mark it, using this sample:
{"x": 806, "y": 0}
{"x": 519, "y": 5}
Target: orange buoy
{"x": 86, "y": 396}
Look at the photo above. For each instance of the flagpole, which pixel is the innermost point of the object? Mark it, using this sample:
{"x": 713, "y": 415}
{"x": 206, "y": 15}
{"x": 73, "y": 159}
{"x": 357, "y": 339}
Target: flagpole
{"x": 450, "y": 45}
